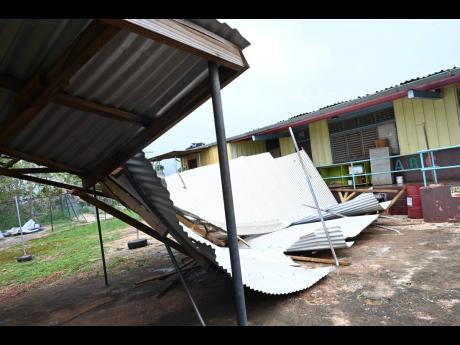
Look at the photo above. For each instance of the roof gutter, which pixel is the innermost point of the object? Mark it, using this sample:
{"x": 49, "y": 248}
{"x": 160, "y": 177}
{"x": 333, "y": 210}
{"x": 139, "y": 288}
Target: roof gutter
{"x": 359, "y": 106}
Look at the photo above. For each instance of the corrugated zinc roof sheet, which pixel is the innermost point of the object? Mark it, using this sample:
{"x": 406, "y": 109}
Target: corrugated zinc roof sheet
{"x": 131, "y": 72}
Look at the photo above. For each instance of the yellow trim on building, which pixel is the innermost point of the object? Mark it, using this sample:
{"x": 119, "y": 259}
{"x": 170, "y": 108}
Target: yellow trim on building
{"x": 247, "y": 148}
{"x": 438, "y": 118}
{"x": 206, "y": 157}
{"x": 320, "y": 143}
{"x": 286, "y": 146}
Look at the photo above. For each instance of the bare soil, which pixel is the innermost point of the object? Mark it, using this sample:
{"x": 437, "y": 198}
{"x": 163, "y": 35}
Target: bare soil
{"x": 407, "y": 279}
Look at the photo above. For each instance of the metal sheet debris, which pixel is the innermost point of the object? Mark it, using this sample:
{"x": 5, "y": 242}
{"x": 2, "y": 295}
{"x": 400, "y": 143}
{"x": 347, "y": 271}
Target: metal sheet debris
{"x": 350, "y": 227}
{"x": 269, "y": 194}
{"x": 362, "y": 204}
{"x": 265, "y": 270}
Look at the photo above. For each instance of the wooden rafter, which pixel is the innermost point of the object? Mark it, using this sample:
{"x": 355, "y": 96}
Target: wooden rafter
{"x": 67, "y": 100}
{"x": 127, "y": 219}
{"x": 43, "y": 86}
{"x": 177, "y": 112}
{"x": 82, "y": 104}
{"x": 363, "y": 190}
{"x": 396, "y": 197}
{"x": 187, "y": 37}
{"x": 39, "y": 160}
{"x": 130, "y": 202}
{"x": 15, "y": 174}
{"x": 34, "y": 170}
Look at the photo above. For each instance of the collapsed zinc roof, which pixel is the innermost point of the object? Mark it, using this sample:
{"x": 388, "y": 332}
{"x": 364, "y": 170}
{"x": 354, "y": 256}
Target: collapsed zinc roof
{"x": 268, "y": 202}
{"x": 86, "y": 95}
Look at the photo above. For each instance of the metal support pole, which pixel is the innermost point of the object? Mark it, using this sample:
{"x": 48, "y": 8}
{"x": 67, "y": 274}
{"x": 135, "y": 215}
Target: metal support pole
{"x": 320, "y": 214}
{"x": 182, "y": 280}
{"x": 178, "y": 172}
{"x": 100, "y": 240}
{"x": 20, "y": 226}
{"x": 51, "y": 214}
{"x": 435, "y": 175}
{"x": 353, "y": 175}
{"x": 423, "y": 168}
{"x": 227, "y": 194}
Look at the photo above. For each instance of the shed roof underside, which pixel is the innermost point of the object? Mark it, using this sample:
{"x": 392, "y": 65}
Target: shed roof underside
{"x": 154, "y": 82}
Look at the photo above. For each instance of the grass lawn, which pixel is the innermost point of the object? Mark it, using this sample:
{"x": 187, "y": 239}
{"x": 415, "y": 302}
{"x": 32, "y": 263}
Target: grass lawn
{"x": 69, "y": 250}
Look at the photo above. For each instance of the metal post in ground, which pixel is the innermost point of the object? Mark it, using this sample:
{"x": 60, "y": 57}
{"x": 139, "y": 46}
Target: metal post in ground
{"x": 100, "y": 240}
{"x": 434, "y": 174}
{"x": 178, "y": 172}
{"x": 51, "y": 214}
{"x": 320, "y": 214}
{"x": 182, "y": 280}
{"x": 422, "y": 164}
{"x": 25, "y": 256}
{"x": 227, "y": 194}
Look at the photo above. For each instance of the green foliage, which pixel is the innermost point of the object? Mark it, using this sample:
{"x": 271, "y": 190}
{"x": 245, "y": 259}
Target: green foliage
{"x": 65, "y": 252}
{"x": 11, "y": 187}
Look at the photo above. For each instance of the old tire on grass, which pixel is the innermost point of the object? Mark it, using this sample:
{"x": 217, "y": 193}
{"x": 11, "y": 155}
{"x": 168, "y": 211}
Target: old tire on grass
{"x": 137, "y": 243}
{"x": 24, "y": 258}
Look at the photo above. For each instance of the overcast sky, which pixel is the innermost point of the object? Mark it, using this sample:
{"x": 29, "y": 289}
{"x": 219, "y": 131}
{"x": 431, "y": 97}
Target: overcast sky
{"x": 298, "y": 66}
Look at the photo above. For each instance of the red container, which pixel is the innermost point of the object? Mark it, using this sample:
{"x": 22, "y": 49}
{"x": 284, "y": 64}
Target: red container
{"x": 414, "y": 201}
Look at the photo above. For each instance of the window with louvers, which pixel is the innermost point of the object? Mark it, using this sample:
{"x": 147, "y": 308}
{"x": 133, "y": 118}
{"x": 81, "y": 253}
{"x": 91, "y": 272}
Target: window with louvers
{"x": 339, "y": 148}
{"x": 352, "y": 138}
{"x": 353, "y": 145}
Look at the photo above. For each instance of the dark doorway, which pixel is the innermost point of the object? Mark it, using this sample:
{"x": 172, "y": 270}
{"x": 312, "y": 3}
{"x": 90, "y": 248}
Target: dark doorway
{"x": 303, "y": 140}
{"x": 192, "y": 163}
{"x": 273, "y": 146}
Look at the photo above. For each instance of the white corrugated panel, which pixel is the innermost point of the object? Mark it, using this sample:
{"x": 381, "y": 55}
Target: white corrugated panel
{"x": 267, "y": 271}
{"x": 362, "y": 204}
{"x": 283, "y": 239}
{"x": 268, "y": 194}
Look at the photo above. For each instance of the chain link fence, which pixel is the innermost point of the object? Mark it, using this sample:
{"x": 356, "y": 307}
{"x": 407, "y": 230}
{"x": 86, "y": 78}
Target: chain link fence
{"x": 52, "y": 210}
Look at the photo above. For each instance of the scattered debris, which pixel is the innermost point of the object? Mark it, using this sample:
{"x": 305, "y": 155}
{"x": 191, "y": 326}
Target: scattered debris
{"x": 319, "y": 260}
{"x": 29, "y": 227}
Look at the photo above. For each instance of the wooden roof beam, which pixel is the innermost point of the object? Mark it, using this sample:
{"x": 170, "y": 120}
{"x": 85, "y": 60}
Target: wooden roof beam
{"x": 70, "y": 101}
{"x": 128, "y": 220}
{"x": 34, "y": 170}
{"x": 177, "y": 112}
{"x": 42, "y": 87}
{"x": 15, "y": 174}
{"x": 186, "y": 37}
{"x": 39, "y": 160}
{"x": 82, "y": 104}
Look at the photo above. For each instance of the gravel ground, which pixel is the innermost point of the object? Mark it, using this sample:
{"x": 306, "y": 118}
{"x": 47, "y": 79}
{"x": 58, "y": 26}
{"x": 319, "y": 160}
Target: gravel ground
{"x": 407, "y": 279}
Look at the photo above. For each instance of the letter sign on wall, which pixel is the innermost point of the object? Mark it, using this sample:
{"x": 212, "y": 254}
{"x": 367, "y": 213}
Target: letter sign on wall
{"x": 455, "y": 191}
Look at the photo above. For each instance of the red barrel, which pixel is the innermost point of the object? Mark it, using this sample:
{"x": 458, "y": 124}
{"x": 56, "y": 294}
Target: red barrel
{"x": 414, "y": 201}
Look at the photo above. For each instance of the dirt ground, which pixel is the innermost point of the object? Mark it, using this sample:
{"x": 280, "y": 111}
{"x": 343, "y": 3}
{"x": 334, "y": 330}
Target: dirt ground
{"x": 412, "y": 278}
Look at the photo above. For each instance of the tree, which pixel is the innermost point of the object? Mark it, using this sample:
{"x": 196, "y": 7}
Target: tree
{"x": 11, "y": 187}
